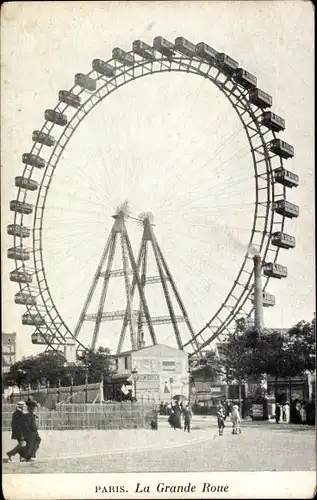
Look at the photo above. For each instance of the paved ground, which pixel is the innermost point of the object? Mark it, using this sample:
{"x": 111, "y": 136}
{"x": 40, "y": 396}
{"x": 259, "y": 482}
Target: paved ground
{"x": 260, "y": 447}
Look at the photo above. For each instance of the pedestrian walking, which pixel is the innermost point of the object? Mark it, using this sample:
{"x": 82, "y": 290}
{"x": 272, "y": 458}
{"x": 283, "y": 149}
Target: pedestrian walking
{"x": 18, "y": 427}
{"x": 235, "y": 419}
{"x": 32, "y": 436}
{"x": 284, "y": 412}
{"x": 302, "y": 412}
{"x": 221, "y": 417}
{"x": 187, "y": 417}
{"x": 277, "y": 413}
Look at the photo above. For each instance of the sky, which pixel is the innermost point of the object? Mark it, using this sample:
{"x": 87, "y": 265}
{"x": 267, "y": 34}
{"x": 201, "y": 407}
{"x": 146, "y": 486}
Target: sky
{"x": 168, "y": 143}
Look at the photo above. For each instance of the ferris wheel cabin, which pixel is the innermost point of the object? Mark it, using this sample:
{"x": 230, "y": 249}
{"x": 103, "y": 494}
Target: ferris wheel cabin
{"x": 55, "y": 117}
{"x": 25, "y": 299}
{"x": 268, "y": 300}
{"x": 260, "y": 98}
{"x": 163, "y": 46}
{"x": 42, "y": 138}
{"x": 286, "y": 208}
{"x": 227, "y": 65}
{"x": 142, "y": 49}
{"x": 85, "y": 82}
{"x": 274, "y": 270}
{"x": 41, "y": 339}
{"x": 18, "y": 253}
{"x": 32, "y": 319}
{"x": 185, "y": 46}
{"x": 103, "y": 68}
{"x": 26, "y": 183}
{"x": 123, "y": 57}
{"x": 20, "y": 277}
{"x": 273, "y": 121}
{"x": 34, "y": 160}
{"x": 206, "y": 52}
{"x": 17, "y": 230}
{"x": 69, "y": 98}
{"x": 286, "y": 177}
{"x": 245, "y": 79}
{"x": 21, "y": 207}
{"x": 281, "y": 148}
{"x": 283, "y": 240}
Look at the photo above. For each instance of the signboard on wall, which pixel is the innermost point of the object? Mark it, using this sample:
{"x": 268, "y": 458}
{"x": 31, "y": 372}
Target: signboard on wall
{"x": 257, "y": 411}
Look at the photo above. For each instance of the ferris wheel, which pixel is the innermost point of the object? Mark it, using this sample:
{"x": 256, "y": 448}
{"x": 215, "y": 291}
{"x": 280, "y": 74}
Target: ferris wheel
{"x": 265, "y": 151}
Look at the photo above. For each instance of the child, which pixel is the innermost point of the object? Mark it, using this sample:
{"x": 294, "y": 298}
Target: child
{"x": 187, "y": 417}
{"x": 235, "y": 419}
{"x": 221, "y": 419}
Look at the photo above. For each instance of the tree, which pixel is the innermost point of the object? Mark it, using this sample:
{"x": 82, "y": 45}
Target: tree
{"x": 237, "y": 359}
{"x": 209, "y": 368}
{"x": 302, "y": 342}
{"x": 53, "y": 367}
{"x": 98, "y": 364}
{"x": 32, "y": 369}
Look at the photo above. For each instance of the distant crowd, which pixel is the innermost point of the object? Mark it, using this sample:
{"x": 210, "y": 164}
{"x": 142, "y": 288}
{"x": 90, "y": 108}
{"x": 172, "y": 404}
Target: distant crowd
{"x": 299, "y": 412}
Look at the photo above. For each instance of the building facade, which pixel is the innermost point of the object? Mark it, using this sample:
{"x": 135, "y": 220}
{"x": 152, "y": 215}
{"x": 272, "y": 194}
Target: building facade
{"x": 156, "y": 372}
{"x": 8, "y": 344}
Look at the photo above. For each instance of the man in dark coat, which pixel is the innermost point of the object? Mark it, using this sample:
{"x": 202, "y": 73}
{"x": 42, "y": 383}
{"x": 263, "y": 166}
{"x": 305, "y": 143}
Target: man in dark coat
{"x": 277, "y": 413}
{"x": 19, "y": 430}
{"x": 32, "y": 437}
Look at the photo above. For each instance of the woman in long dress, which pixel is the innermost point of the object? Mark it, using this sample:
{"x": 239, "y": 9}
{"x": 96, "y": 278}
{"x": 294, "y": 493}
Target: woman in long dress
{"x": 175, "y": 419}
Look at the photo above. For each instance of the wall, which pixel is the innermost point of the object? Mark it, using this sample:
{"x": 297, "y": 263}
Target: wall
{"x": 170, "y": 367}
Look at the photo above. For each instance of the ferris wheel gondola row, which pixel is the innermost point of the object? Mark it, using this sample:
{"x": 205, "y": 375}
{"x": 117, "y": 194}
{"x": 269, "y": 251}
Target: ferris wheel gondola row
{"x": 26, "y": 183}
{"x": 285, "y": 177}
{"x": 18, "y": 230}
{"x": 249, "y": 101}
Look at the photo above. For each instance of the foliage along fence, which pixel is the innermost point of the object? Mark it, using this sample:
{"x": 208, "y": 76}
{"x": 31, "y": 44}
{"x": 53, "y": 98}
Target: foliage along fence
{"x": 110, "y": 415}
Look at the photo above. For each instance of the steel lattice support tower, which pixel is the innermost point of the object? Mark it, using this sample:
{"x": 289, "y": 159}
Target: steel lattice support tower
{"x": 149, "y": 243}
{"x": 104, "y": 272}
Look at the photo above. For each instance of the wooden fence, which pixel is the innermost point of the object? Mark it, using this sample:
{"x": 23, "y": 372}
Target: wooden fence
{"x": 110, "y": 415}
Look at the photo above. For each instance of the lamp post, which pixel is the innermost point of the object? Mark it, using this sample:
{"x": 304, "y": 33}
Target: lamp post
{"x": 134, "y": 378}
{"x": 58, "y": 389}
{"x": 86, "y": 383}
{"x": 68, "y": 374}
{"x": 189, "y": 384}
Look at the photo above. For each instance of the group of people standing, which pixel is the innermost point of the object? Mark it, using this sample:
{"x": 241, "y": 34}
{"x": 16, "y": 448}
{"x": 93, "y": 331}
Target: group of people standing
{"x": 178, "y": 412}
{"x": 298, "y": 413}
{"x": 25, "y": 431}
{"x": 234, "y": 415}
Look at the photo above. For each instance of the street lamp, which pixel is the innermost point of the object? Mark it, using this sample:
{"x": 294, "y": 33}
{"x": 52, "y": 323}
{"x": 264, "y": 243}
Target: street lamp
{"x": 134, "y": 378}
{"x": 68, "y": 374}
{"x": 86, "y": 383}
{"x": 189, "y": 384}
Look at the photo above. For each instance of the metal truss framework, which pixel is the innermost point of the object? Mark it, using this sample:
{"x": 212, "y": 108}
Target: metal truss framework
{"x": 148, "y": 243}
{"x": 265, "y": 221}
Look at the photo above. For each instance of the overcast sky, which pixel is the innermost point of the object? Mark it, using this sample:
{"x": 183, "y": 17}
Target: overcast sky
{"x": 169, "y": 144}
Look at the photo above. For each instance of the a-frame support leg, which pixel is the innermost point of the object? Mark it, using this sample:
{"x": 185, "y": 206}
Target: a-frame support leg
{"x": 166, "y": 292}
{"x": 92, "y": 287}
{"x": 104, "y": 290}
{"x": 141, "y": 292}
{"x": 176, "y": 293}
{"x": 131, "y": 319}
{"x": 143, "y": 282}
